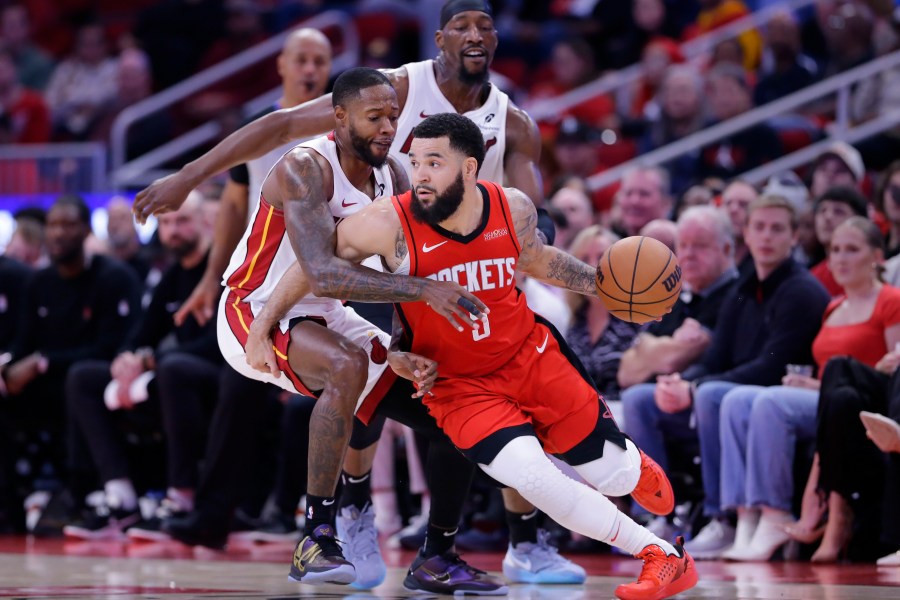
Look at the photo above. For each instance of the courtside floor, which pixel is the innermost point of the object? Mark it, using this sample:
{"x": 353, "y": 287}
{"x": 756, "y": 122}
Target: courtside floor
{"x": 169, "y": 571}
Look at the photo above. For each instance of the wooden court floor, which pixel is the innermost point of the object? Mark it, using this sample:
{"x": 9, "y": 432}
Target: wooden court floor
{"x": 169, "y": 571}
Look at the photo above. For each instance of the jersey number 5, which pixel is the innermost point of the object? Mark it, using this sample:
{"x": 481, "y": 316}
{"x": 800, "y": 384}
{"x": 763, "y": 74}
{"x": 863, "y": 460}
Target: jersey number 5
{"x": 483, "y": 330}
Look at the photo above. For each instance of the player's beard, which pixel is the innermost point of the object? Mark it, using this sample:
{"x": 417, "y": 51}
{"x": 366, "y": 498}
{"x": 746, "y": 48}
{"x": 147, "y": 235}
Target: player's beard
{"x": 472, "y": 78}
{"x": 443, "y": 206}
{"x": 363, "y": 149}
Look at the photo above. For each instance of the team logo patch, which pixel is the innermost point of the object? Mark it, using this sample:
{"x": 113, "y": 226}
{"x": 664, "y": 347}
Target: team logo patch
{"x": 378, "y": 352}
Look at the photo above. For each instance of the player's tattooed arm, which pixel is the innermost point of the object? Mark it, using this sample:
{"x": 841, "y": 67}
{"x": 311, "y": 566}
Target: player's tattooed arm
{"x": 546, "y": 263}
{"x": 311, "y": 230}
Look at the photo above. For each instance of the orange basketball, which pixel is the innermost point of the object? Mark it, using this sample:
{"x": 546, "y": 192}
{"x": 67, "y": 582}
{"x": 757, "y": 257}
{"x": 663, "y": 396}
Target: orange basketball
{"x": 638, "y": 279}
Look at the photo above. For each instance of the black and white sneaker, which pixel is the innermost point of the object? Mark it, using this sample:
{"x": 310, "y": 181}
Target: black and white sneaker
{"x": 103, "y": 523}
{"x": 277, "y": 528}
{"x": 150, "y": 530}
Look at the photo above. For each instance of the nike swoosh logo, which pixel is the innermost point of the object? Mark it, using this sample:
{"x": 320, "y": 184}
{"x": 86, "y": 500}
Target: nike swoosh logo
{"x": 426, "y": 248}
{"x": 327, "y": 502}
{"x": 618, "y": 527}
{"x": 451, "y": 533}
{"x": 355, "y": 480}
{"x": 423, "y": 115}
{"x": 543, "y": 346}
{"x": 530, "y": 515}
{"x": 346, "y": 204}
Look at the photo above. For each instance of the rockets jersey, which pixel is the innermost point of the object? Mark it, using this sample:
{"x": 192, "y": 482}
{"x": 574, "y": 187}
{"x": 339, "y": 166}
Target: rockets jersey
{"x": 264, "y": 253}
{"x": 484, "y": 262}
{"x": 425, "y": 98}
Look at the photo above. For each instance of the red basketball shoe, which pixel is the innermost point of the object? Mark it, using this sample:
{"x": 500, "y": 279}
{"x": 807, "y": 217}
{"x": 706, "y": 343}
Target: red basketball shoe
{"x": 663, "y": 575}
{"x": 653, "y": 490}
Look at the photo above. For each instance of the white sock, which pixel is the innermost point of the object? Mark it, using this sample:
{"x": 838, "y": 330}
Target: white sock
{"x": 120, "y": 494}
{"x": 522, "y": 465}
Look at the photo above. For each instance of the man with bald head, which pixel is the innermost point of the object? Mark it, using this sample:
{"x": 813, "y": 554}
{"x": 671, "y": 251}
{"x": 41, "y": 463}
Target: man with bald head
{"x": 176, "y": 382}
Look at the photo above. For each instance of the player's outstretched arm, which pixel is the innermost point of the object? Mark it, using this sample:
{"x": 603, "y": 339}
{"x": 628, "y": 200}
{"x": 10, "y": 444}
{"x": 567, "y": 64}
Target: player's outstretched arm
{"x": 249, "y": 142}
{"x": 546, "y": 263}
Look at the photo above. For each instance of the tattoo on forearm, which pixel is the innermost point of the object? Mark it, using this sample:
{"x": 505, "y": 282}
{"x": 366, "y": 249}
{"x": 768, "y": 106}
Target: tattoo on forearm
{"x": 574, "y": 274}
{"x": 311, "y": 229}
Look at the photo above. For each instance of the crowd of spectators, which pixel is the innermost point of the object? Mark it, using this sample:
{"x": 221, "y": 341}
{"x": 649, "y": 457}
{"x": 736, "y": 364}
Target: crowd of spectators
{"x": 797, "y": 273}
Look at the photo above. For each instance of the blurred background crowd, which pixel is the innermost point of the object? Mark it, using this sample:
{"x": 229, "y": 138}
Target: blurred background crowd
{"x": 690, "y": 121}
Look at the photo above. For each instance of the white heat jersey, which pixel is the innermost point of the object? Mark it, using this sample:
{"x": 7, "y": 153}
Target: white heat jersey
{"x": 264, "y": 253}
{"x": 425, "y": 98}
{"x": 258, "y": 169}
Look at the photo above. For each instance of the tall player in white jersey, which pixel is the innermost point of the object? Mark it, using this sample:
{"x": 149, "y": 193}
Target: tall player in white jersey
{"x": 455, "y": 81}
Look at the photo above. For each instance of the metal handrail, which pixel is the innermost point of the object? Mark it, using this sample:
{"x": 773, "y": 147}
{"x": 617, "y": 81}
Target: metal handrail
{"x": 692, "y": 50}
{"x": 94, "y": 151}
{"x": 808, "y": 154}
{"x": 348, "y": 57}
{"x": 752, "y": 117}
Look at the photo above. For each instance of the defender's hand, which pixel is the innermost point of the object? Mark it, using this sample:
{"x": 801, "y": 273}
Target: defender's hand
{"x": 454, "y": 303}
{"x": 201, "y": 303}
{"x": 260, "y": 352}
{"x": 418, "y": 369}
{"x": 163, "y": 195}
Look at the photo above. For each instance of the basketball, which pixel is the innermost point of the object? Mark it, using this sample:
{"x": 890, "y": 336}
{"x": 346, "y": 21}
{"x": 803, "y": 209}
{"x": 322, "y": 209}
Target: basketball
{"x": 638, "y": 279}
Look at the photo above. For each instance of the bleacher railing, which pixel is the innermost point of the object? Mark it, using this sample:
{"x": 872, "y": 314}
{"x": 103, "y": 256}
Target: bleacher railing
{"x": 842, "y": 130}
{"x": 144, "y": 169}
{"x": 693, "y": 51}
{"x": 52, "y": 168}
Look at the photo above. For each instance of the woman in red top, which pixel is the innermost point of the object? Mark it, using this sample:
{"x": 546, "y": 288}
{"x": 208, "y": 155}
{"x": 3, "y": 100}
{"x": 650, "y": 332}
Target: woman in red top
{"x": 761, "y": 426}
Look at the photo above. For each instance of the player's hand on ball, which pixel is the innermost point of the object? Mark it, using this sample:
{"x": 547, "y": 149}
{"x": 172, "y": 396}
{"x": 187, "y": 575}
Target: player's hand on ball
{"x": 260, "y": 353}
{"x": 418, "y": 369}
{"x": 163, "y": 195}
{"x": 454, "y": 303}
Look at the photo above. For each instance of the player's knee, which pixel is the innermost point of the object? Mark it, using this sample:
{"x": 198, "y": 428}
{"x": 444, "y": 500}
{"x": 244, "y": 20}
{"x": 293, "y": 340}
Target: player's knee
{"x": 617, "y": 472}
{"x": 349, "y": 368}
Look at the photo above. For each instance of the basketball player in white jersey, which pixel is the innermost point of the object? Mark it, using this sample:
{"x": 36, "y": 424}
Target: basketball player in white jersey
{"x": 456, "y": 81}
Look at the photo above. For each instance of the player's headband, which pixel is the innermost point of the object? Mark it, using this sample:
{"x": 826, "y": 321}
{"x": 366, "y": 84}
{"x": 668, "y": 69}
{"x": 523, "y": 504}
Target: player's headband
{"x": 454, "y": 7}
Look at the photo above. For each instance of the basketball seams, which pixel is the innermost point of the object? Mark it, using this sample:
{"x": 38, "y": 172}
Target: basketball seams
{"x": 634, "y": 266}
{"x": 661, "y": 273}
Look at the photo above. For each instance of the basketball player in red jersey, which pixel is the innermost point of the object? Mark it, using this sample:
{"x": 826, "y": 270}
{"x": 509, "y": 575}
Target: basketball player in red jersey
{"x": 497, "y": 395}
{"x": 457, "y": 80}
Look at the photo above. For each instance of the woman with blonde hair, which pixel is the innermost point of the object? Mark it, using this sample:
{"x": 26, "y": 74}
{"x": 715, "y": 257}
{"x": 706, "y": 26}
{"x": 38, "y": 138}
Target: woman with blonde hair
{"x": 595, "y": 336}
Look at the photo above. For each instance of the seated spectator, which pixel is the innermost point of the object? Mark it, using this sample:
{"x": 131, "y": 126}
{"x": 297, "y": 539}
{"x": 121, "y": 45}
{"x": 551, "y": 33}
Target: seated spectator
{"x": 832, "y": 208}
{"x": 576, "y": 153}
{"x": 876, "y": 96}
{"x": 887, "y": 202}
{"x": 882, "y": 429}
{"x": 680, "y": 115}
{"x": 24, "y": 117}
{"x": 662, "y": 230}
{"x": 657, "y": 59}
{"x": 33, "y": 64}
{"x": 151, "y": 386}
{"x": 785, "y": 70}
{"x": 705, "y": 250}
{"x": 595, "y": 336}
{"x": 80, "y": 307}
{"x": 83, "y": 85}
{"x": 730, "y": 96}
{"x": 27, "y": 243}
{"x": 847, "y": 28}
{"x": 841, "y": 164}
{"x": 696, "y": 195}
{"x": 760, "y": 427}
{"x": 134, "y": 83}
{"x": 644, "y": 196}
{"x": 577, "y": 210}
{"x": 13, "y": 277}
{"x": 736, "y": 200}
{"x": 767, "y": 320}
{"x": 122, "y": 239}
{"x": 715, "y": 14}
{"x": 651, "y": 19}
